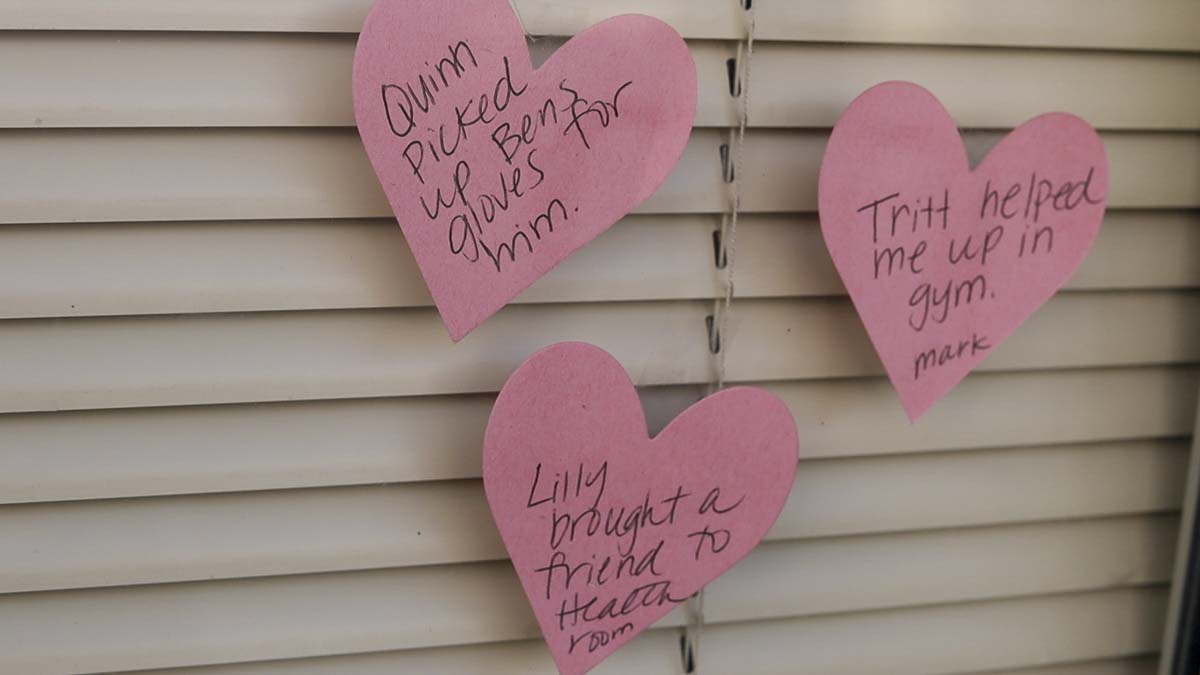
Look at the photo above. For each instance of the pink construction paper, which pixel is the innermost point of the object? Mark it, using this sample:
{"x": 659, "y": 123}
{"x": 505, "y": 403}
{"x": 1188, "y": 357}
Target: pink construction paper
{"x": 654, "y": 519}
{"x": 496, "y": 172}
{"x": 943, "y": 263}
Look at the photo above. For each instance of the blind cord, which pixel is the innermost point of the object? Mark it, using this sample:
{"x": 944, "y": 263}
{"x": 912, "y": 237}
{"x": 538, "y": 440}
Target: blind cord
{"x": 727, "y": 254}
{"x": 725, "y": 257}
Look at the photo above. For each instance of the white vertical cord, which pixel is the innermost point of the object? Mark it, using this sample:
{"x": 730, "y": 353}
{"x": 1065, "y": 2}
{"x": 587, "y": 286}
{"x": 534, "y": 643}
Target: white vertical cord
{"x": 725, "y": 257}
{"x": 728, "y": 249}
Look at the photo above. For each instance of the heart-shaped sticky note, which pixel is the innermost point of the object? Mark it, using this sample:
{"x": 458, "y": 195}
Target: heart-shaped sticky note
{"x": 609, "y": 529}
{"x": 944, "y": 262}
{"x": 497, "y": 172}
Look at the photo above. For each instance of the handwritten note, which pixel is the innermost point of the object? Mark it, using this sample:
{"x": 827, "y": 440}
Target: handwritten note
{"x": 943, "y": 263}
{"x": 608, "y": 529}
{"x": 496, "y": 172}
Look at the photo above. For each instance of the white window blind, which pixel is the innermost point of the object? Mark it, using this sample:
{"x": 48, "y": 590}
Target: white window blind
{"x": 236, "y": 440}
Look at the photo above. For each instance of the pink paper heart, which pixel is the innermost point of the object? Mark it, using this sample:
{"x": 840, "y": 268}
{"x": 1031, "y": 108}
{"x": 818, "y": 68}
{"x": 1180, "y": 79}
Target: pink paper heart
{"x": 609, "y": 529}
{"x": 973, "y": 253}
{"x": 496, "y": 172}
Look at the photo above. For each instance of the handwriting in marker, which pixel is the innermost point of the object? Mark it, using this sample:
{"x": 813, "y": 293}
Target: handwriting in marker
{"x": 497, "y": 171}
{"x": 944, "y": 262}
{"x": 607, "y": 528}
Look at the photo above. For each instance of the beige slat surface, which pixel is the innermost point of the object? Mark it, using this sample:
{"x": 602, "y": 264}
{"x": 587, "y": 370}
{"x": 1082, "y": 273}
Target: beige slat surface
{"x": 654, "y": 652}
{"x": 123, "y": 362}
{"x": 133, "y": 452}
{"x": 309, "y": 615}
{"x": 895, "y": 642}
{"x": 1153, "y": 170}
{"x": 107, "y": 175}
{"x": 692, "y": 18}
{"x": 982, "y": 88}
{"x": 90, "y": 270}
{"x": 101, "y": 176}
{"x": 1019, "y": 633}
{"x": 1117, "y": 24}
{"x": 114, "y": 542}
{"x": 107, "y": 79}
{"x": 1144, "y": 665}
{"x": 1053, "y": 407}
{"x": 811, "y": 577}
{"x": 1072, "y": 330}
{"x": 53, "y": 79}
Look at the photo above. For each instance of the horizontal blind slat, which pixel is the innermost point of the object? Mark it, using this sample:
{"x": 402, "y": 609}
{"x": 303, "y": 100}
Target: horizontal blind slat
{"x": 770, "y": 341}
{"x": 1113, "y": 24}
{"x": 799, "y": 577}
{"x": 999, "y": 634}
{"x": 276, "y": 80}
{"x": 979, "y": 412}
{"x": 1022, "y": 632}
{"x": 115, "y": 542}
{"x": 97, "y": 270}
{"x": 135, "y": 452}
{"x": 1138, "y": 665}
{"x": 693, "y": 18}
{"x": 189, "y": 174}
{"x": 654, "y": 652}
{"x": 177, "y": 360}
{"x": 310, "y": 615}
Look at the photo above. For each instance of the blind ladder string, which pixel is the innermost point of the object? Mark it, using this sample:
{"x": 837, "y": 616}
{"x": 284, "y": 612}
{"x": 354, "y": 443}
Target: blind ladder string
{"x": 725, "y": 257}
